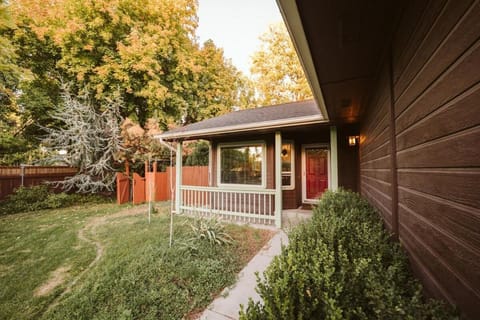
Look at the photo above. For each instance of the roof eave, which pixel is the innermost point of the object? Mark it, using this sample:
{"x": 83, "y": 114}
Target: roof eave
{"x": 243, "y": 128}
{"x": 291, "y": 16}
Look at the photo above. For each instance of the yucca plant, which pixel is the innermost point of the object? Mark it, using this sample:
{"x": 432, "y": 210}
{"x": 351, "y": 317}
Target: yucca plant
{"x": 211, "y": 230}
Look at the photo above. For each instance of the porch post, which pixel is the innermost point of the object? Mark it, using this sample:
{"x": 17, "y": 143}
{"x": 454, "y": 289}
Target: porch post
{"x": 178, "y": 177}
{"x": 333, "y": 159}
{"x": 210, "y": 163}
{"x": 278, "y": 179}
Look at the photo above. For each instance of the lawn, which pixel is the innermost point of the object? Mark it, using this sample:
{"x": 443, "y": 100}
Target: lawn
{"x": 106, "y": 261}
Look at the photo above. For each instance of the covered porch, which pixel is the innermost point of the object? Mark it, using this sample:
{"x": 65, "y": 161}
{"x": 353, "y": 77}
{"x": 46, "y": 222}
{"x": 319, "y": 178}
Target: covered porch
{"x": 262, "y": 162}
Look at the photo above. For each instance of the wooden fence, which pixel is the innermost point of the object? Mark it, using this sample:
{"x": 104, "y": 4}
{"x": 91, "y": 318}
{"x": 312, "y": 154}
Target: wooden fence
{"x": 14, "y": 177}
{"x": 191, "y": 176}
{"x": 159, "y": 184}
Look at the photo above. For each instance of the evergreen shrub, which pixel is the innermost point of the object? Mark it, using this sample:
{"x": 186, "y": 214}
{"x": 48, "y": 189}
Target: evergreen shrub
{"x": 342, "y": 264}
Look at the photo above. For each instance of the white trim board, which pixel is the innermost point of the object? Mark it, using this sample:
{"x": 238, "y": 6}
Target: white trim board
{"x": 291, "y": 16}
{"x": 262, "y": 125}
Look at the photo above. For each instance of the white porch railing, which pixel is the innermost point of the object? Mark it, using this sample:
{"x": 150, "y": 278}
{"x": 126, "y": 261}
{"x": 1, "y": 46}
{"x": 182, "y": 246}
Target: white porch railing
{"x": 253, "y": 206}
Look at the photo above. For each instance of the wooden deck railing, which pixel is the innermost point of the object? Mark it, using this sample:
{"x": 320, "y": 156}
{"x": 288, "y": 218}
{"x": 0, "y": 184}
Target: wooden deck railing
{"x": 253, "y": 206}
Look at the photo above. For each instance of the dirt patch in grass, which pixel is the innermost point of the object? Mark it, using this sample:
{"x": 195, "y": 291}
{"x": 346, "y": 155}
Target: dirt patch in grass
{"x": 87, "y": 234}
{"x": 57, "y": 278}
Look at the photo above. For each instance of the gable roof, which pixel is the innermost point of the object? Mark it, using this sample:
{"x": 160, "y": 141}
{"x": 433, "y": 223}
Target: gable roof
{"x": 270, "y": 117}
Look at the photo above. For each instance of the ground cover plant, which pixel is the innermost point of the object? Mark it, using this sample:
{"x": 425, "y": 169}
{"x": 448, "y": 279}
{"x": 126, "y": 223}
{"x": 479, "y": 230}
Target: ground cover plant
{"x": 342, "y": 265}
{"x": 41, "y": 197}
{"x": 105, "y": 261}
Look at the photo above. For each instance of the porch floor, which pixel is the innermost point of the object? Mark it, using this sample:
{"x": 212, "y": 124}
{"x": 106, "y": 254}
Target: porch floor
{"x": 292, "y": 217}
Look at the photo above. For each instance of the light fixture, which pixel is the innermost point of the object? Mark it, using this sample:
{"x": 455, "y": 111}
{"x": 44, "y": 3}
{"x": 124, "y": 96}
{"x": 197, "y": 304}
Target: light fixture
{"x": 353, "y": 140}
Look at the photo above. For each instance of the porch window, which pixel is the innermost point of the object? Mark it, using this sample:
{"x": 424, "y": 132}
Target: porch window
{"x": 242, "y": 164}
{"x": 288, "y": 166}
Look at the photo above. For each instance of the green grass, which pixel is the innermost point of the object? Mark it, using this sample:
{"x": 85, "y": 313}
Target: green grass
{"x": 138, "y": 276}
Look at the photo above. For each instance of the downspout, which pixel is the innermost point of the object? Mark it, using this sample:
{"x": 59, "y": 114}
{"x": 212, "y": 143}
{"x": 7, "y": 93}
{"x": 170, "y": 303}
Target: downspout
{"x": 178, "y": 177}
{"x": 166, "y": 144}
{"x": 172, "y": 151}
{"x": 172, "y": 190}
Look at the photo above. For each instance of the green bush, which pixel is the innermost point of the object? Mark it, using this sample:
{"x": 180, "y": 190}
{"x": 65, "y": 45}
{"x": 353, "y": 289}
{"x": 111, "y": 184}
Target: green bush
{"x": 39, "y": 197}
{"x": 26, "y": 199}
{"x": 342, "y": 265}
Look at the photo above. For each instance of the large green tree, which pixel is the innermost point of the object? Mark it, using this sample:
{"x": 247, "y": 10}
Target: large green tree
{"x": 9, "y": 71}
{"x": 10, "y": 75}
{"x": 216, "y": 86}
{"x": 29, "y": 89}
{"x": 276, "y": 70}
{"x": 146, "y": 50}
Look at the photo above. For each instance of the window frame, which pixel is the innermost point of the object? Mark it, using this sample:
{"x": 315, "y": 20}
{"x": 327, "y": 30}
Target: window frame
{"x": 292, "y": 163}
{"x": 253, "y": 143}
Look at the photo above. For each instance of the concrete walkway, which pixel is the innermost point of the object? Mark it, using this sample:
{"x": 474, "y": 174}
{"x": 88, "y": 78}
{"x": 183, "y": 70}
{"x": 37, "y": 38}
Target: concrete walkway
{"x": 227, "y": 305}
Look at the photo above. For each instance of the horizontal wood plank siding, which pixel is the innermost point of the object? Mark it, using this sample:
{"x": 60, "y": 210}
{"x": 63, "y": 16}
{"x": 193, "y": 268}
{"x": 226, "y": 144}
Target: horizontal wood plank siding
{"x": 375, "y": 151}
{"x": 348, "y": 168}
{"x": 436, "y": 86}
{"x": 289, "y": 199}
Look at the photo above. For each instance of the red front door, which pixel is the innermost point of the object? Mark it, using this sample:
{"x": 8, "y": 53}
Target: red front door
{"x": 316, "y": 163}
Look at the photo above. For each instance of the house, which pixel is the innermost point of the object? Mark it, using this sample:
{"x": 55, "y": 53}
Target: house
{"x": 403, "y": 76}
{"x": 407, "y": 73}
{"x": 267, "y": 159}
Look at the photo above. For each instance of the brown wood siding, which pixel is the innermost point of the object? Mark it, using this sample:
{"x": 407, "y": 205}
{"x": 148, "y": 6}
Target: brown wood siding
{"x": 347, "y": 158}
{"x": 317, "y": 134}
{"x": 436, "y": 63}
{"x": 270, "y": 141}
{"x": 289, "y": 199}
{"x": 375, "y": 151}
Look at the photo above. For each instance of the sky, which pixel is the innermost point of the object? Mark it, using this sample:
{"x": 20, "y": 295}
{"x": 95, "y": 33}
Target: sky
{"x": 235, "y": 26}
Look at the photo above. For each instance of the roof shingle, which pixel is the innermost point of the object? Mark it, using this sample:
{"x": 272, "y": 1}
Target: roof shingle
{"x": 251, "y": 119}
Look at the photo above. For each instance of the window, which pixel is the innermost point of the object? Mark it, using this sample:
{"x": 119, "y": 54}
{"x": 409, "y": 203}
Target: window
{"x": 242, "y": 164}
{"x": 288, "y": 166}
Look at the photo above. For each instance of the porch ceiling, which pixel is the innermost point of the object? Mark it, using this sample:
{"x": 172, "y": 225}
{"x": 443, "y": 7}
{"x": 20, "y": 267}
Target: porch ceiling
{"x": 345, "y": 41}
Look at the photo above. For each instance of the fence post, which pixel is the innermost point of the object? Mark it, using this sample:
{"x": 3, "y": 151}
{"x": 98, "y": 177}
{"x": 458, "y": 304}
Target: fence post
{"x": 22, "y": 174}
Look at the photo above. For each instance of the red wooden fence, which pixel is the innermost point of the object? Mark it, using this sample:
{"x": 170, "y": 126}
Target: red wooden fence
{"x": 138, "y": 189}
{"x": 191, "y": 176}
{"x": 123, "y": 188}
{"x": 158, "y": 184}
{"x": 11, "y": 177}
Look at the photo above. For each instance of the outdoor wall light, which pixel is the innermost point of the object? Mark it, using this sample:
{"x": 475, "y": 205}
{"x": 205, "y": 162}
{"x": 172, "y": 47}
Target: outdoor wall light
{"x": 353, "y": 140}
